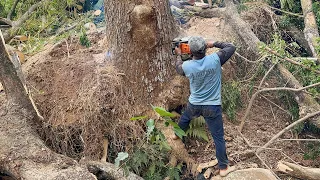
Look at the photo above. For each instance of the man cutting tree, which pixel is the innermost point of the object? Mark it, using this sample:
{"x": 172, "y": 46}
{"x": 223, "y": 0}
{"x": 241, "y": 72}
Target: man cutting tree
{"x": 204, "y": 74}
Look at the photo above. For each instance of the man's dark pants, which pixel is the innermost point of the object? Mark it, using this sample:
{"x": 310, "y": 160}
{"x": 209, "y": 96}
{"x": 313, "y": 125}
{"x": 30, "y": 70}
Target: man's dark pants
{"x": 213, "y": 116}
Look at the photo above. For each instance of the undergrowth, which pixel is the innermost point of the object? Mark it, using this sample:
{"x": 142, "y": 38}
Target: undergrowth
{"x": 313, "y": 151}
{"x": 231, "y": 99}
{"x": 197, "y": 130}
{"x": 149, "y": 158}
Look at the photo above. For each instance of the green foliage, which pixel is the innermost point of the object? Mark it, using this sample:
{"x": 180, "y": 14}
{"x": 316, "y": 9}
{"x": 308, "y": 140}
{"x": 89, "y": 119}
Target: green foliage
{"x": 150, "y": 158}
{"x": 287, "y": 4}
{"x": 84, "y": 41}
{"x": 316, "y": 10}
{"x": 318, "y": 42}
{"x": 305, "y": 77}
{"x": 121, "y": 156}
{"x": 197, "y": 130}
{"x": 231, "y": 99}
{"x": 313, "y": 151}
{"x": 168, "y": 121}
{"x": 293, "y": 6}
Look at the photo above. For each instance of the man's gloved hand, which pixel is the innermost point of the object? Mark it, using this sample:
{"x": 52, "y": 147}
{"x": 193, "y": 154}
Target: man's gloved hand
{"x": 210, "y": 44}
{"x": 178, "y": 51}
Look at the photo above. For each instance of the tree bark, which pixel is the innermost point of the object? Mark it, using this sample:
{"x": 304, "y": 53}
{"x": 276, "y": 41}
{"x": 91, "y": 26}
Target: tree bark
{"x": 138, "y": 42}
{"x": 11, "y": 82}
{"x": 299, "y": 171}
{"x": 249, "y": 40}
{"x": 311, "y": 32}
{"x": 139, "y": 35}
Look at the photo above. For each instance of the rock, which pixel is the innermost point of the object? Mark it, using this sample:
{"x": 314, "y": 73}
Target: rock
{"x": 248, "y": 174}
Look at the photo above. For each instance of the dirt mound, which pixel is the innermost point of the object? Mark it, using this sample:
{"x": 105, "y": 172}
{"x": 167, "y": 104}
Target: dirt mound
{"x": 82, "y": 100}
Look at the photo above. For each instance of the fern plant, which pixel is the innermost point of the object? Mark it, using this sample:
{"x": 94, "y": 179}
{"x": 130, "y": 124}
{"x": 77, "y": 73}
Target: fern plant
{"x": 150, "y": 159}
{"x": 197, "y": 130}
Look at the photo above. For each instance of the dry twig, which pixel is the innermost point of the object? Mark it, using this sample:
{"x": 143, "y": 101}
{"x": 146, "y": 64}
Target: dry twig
{"x": 291, "y": 60}
{"x": 265, "y": 76}
{"x": 286, "y": 129}
{"x": 269, "y": 89}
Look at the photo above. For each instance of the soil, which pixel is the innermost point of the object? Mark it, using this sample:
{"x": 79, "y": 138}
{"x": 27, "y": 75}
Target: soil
{"x": 55, "y": 80}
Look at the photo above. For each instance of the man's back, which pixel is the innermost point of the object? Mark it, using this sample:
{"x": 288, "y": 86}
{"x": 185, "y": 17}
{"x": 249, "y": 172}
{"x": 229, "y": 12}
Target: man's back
{"x": 205, "y": 80}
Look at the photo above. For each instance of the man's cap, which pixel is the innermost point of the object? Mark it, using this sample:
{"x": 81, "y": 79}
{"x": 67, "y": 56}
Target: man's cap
{"x": 197, "y": 45}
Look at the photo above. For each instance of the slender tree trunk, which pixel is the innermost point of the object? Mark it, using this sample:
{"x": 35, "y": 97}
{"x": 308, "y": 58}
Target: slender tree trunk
{"x": 311, "y": 32}
{"x": 139, "y": 33}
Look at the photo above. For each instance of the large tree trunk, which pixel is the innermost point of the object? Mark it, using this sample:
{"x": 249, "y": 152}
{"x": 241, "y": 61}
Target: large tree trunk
{"x": 139, "y": 35}
{"x": 249, "y": 40}
{"x": 311, "y": 32}
{"x": 138, "y": 40}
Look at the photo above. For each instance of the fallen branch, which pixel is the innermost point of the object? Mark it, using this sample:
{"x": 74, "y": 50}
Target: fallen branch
{"x": 298, "y": 171}
{"x": 276, "y": 105}
{"x": 12, "y": 9}
{"x": 316, "y": 140}
{"x": 291, "y": 60}
{"x": 247, "y": 60}
{"x": 255, "y": 153}
{"x": 17, "y": 24}
{"x": 265, "y": 76}
{"x": 206, "y": 165}
{"x": 266, "y": 5}
{"x": 287, "y": 128}
{"x": 7, "y": 22}
{"x": 208, "y": 173}
{"x": 269, "y": 89}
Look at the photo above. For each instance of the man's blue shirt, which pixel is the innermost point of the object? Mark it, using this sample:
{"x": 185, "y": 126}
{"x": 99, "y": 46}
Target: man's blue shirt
{"x": 205, "y": 80}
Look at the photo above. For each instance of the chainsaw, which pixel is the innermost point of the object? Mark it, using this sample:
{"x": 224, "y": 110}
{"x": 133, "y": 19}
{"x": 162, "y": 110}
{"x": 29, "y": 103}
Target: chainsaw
{"x": 182, "y": 43}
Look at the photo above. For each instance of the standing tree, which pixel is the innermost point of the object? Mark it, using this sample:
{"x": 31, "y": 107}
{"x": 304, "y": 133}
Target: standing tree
{"x": 139, "y": 35}
{"x": 138, "y": 40}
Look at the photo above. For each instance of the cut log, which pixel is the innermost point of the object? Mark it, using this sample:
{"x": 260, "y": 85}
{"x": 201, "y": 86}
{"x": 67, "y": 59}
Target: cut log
{"x": 208, "y": 173}
{"x": 298, "y": 171}
{"x": 206, "y": 165}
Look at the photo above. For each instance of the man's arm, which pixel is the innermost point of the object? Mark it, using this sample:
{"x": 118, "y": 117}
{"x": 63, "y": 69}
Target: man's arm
{"x": 179, "y": 62}
{"x": 225, "y": 52}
